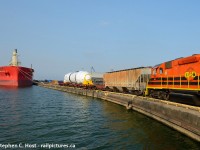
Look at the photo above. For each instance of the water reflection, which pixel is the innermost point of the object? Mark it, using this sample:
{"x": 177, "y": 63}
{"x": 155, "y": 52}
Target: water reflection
{"x": 39, "y": 115}
{"x": 135, "y": 128}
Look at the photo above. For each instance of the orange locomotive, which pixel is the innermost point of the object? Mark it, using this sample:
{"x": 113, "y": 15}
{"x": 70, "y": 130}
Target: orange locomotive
{"x": 180, "y": 75}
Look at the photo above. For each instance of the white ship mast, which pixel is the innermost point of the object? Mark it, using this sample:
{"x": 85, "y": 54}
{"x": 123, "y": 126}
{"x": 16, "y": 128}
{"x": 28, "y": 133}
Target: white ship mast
{"x": 14, "y": 61}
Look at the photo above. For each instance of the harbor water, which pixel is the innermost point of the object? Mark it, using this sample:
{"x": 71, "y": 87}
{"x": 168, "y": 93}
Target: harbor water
{"x": 36, "y": 116}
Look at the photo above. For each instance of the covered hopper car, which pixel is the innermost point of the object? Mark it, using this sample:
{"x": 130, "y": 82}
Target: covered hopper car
{"x": 129, "y": 81}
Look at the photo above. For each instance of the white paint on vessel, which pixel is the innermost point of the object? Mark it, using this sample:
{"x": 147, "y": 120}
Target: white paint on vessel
{"x": 14, "y": 61}
{"x": 77, "y": 77}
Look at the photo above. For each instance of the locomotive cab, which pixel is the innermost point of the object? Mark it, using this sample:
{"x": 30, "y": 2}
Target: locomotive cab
{"x": 157, "y": 71}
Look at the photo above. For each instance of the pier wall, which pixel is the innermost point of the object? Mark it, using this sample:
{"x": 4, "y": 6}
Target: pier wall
{"x": 183, "y": 118}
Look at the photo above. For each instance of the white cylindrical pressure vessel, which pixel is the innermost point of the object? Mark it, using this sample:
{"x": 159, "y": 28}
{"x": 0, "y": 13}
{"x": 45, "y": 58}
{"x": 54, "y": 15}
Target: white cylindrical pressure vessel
{"x": 77, "y": 77}
{"x": 72, "y": 77}
{"x": 82, "y": 76}
{"x": 66, "y": 77}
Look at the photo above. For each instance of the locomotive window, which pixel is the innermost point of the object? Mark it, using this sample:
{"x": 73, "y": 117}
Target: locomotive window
{"x": 154, "y": 71}
{"x": 161, "y": 70}
{"x": 168, "y": 65}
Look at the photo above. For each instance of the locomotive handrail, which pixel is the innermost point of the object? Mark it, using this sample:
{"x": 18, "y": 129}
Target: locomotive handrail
{"x": 167, "y": 81}
{"x": 198, "y": 80}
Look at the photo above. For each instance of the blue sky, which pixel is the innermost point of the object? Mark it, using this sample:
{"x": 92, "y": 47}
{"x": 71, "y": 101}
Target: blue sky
{"x": 61, "y": 36}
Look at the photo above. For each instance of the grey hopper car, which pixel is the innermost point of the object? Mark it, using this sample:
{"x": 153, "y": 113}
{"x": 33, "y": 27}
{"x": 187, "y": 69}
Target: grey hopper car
{"x": 130, "y": 80}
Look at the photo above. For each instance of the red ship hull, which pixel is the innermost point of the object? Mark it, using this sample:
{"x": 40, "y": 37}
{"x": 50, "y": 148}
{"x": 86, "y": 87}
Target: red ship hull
{"x": 16, "y": 76}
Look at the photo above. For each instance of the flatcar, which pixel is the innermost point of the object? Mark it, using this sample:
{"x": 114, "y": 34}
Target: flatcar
{"x": 181, "y": 75}
{"x": 84, "y": 79}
